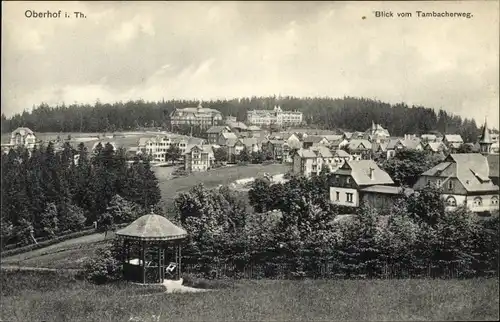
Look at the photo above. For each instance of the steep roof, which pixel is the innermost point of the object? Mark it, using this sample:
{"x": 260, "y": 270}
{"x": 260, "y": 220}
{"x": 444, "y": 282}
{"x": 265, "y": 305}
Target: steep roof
{"x": 341, "y": 154}
{"x": 313, "y": 139}
{"x": 332, "y": 137}
{"x": 203, "y": 148}
{"x": 435, "y": 146}
{"x": 22, "y": 131}
{"x": 306, "y": 153}
{"x": 237, "y": 125}
{"x": 355, "y": 144}
{"x": 322, "y": 151}
{"x": 485, "y": 134}
{"x": 152, "y": 227}
{"x": 411, "y": 143}
{"x": 217, "y": 129}
{"x": 360, "y": 172}
{"x": 391, "y": 145}
{"x": 471, "y": 169}
{"x": 454, "y": 138}
{"x": 229, "y": 135}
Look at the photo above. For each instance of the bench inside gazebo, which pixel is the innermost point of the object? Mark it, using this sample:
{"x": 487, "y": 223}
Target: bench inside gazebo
{"x": 151, "y": 249}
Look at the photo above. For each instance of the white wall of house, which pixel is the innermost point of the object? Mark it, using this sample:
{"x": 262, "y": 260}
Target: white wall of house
{"x": 484, "y": 203}
{"x": 342, "y": 194}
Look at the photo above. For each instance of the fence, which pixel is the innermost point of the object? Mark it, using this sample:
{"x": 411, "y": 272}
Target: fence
{"x": 330, "y": 271}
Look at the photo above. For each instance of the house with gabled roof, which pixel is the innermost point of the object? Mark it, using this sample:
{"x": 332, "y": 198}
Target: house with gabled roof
{"x": 214, "y": 132}
{"x": 453, "y": 142}
{"x": 314, "y": 140}
{"x": 359, "y": 148}
{"x": 310, "y": 161}
{"x": 199, "y": 158}
{"x": 361, "y": 181}
{"x": 465, "y": 180}
{"x": 227, "y": 138}
{"x": 435, "y": 147}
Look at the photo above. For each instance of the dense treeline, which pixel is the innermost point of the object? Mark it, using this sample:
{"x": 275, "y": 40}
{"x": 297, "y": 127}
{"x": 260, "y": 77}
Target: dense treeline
{"x": 416, "y": 237}
{"x": 348, "y": 113}
{"x": 46, "y": 193}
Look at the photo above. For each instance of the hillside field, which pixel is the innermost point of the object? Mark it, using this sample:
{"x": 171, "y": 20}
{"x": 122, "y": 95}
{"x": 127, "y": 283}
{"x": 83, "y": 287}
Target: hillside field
{"x": 51, "y": 296}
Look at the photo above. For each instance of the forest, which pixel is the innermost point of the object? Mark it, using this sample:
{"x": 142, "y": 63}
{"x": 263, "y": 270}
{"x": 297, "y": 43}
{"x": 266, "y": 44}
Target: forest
{"x": 47, "y": 193}
{"x": 347, "y": 113}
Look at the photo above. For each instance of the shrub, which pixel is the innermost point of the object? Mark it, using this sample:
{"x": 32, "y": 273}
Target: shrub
{"x": 106, "y": 266}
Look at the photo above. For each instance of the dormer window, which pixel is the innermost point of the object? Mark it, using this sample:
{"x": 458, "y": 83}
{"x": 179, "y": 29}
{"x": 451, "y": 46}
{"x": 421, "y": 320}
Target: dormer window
{"x": 348, "y": 180}
{"x": 450, "y": 184}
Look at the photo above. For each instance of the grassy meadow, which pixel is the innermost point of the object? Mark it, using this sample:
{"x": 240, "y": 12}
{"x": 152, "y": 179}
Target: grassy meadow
{"x": 213, "y": 178}
{"x": 50, "y": 296}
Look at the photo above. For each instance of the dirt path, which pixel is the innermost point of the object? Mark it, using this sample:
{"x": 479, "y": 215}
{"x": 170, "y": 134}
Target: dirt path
{"x": 57, "y": 247}
{"x": 36, "y": 269}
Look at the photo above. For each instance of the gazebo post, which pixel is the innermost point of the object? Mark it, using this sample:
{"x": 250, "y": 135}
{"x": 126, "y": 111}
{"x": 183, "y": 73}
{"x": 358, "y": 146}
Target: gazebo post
{"x": 180, "y": 260}
{"x": 160, "y": 264}
{"x": 143, "y": 262}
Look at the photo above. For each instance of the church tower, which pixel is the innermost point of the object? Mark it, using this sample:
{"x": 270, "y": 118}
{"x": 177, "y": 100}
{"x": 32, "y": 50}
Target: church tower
{"x": 485, "y": 140}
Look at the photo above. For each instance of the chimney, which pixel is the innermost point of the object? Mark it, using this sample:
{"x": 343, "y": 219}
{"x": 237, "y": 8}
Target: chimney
{"x": 371, "y": 173}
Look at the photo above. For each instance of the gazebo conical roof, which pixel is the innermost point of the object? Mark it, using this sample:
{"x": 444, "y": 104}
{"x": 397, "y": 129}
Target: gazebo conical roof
{"x": 152, "y": 227}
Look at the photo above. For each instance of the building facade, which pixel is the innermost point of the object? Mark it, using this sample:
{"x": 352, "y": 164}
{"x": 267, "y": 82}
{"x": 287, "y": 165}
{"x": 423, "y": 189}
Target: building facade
{"x": 276, "y": 116}
{"x": 465, "y": 180}
{"x": 199, "y": 116}
{"x": 199, "y": 158}
{"x": 20, "y": 137}
{"x": 214, "y": 132}
{"x": 309, "y": 162}
{"x": 347, "y": 182}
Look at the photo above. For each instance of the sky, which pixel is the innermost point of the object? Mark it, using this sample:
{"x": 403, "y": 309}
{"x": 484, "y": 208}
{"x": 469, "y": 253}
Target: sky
{"x": 211, "y": 50}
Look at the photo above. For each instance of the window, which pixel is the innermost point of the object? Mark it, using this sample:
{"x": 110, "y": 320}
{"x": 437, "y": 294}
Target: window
{"x": 348, "y": 180}
{"x": 451, "y": 201}
{"x": 494, "y": 200}
{"x": 337, "y": 195}
{"x": 438, "y": 182}
{"x": 349, "y": 197}
{"x": 478, "y": 202}
{"x": 450, "y": 184}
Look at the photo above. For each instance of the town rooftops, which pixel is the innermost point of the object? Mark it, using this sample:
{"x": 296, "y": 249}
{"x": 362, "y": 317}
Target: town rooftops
{"x": 253, "y": 128}
{"x": 201, "y": 148}
{"x": 313, "y": 139}
{"x": 237, "y": 125}
{"x": 152, "y": 227}
{"x": 341, "y": 154}
{"x": 436, "y": 146}
{"x": 360, "y": 172}
{"x": 359, "y": 144}
{"x": 229, "y": 135}
{"x": 454, "y": 138}
{"x": 471, "y": 169}
{"x": 218, "y": 129}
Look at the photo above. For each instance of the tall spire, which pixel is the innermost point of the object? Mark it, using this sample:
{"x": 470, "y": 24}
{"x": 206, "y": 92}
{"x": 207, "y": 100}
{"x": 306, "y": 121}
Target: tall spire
{"x": 485, "y": 140}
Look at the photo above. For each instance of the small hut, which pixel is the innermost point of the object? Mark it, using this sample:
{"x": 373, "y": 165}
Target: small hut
{"x": 151, "y": 249}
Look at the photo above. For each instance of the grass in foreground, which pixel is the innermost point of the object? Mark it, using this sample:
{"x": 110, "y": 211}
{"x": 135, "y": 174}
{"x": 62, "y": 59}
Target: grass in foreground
{"x": 31, "y": 297}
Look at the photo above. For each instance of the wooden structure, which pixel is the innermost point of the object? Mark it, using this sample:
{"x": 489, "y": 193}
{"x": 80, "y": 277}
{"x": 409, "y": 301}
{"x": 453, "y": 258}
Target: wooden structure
{"x": 151, "y": 249}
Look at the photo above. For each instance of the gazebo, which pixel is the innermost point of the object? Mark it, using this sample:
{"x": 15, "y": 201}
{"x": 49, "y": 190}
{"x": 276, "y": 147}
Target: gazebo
{"x": 151, "y": 249}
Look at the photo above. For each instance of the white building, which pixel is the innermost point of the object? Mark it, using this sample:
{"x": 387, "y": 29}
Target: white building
{"x": 200, "y": 116}
{"x": 276, "y": 116}
{"x": 22, "y": 136}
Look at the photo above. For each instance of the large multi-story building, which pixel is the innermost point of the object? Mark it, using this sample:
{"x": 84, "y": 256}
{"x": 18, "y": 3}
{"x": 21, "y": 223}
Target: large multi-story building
{"x": 310, "y": 161}
{"x": 157, "y": 146}
{"x": 276, "y": 116}
{"x": 200, "y": 116}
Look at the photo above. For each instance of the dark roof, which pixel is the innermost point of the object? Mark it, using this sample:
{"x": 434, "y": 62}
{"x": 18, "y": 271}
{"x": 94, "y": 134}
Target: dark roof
{"x": 152, "y": 227}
